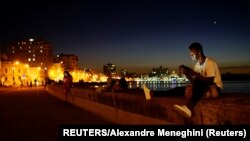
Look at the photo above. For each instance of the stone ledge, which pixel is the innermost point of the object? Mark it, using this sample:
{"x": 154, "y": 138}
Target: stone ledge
{"x": 227, "y": 109}
{"x": 104, "y": 105}
{"x": 130, "y": 107}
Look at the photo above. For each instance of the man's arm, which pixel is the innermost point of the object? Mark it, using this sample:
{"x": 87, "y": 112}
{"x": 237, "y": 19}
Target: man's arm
{"x": 199, "y": 76}
{"x": 191, "y": 74}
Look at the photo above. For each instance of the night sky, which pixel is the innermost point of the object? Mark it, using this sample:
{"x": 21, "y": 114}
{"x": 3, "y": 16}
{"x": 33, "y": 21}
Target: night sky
{"x": 135, "y": 35}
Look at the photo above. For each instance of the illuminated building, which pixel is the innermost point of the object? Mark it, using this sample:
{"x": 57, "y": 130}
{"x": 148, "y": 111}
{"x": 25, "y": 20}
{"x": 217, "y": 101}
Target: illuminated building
{"x": 109, "y": 69}
{"x": 69, "y": 61}
{"x": 124, "y": 73}
{"x": 26, "y": 62}
{"x": 56, "y": 72}
{"x": 18, "y": 74}
{"x": 159, "y": 72}
{"x": 35, "y": 52}
{"x": 30, "y": 61}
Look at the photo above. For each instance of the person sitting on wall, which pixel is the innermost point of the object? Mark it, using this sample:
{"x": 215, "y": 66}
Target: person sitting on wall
{"x": 114, "y": 85}
{"x": 205, "y": 80}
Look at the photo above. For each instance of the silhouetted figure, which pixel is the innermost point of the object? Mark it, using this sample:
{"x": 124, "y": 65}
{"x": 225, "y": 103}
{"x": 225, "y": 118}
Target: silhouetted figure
{"x": 123, "y": 83}
{"x": 46, "y": 81}
{"x": 120, "y": 85}
{"x": 67, "y": 84}
{"x": 114, "y": 85}
{"x": 35, "y": 83}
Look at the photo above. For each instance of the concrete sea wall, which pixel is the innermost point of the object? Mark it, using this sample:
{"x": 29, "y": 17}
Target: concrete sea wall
{"x": 131, "y": 107}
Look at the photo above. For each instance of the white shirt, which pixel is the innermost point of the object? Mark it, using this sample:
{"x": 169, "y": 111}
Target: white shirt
{"x": 209, "y": 69}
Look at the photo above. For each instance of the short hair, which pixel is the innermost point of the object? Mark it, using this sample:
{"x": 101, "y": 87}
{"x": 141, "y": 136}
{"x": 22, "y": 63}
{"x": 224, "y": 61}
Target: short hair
{"x": 196, "y": 46}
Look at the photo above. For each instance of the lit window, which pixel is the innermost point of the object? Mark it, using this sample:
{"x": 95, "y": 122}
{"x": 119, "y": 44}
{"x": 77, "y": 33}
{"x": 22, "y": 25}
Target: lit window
{"x": 29, "y": 59}
{"x": 20, "y": 48}
{"x": 13, "y": 51}
{"x": 34, "y": 59}
{"x": 29, "y": 51}
{"x": 34, "y": 55}
{"x": 41, "y": 46}
{"x": 41, "y": 51}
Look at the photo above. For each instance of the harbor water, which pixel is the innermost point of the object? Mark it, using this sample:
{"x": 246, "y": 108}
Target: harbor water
{"x": 228, "y": 86}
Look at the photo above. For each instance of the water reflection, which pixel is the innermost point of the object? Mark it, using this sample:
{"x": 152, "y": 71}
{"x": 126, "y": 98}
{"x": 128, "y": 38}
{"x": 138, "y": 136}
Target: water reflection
{"x": 231, "y": 87}
{"x": 156, "y": 85}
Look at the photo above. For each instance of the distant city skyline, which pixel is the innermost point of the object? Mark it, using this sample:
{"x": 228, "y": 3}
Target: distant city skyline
{"x": 134, "y": 35}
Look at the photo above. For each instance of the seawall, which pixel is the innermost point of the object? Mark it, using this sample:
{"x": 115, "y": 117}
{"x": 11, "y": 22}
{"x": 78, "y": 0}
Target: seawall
{"x": 131, "y": 107}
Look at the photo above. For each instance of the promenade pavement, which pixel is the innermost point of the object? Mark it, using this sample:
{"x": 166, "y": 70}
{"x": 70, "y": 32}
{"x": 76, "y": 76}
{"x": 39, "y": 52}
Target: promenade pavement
{"x": 31, "y": 114}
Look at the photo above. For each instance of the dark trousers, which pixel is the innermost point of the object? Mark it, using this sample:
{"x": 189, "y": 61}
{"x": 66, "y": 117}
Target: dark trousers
{"x": 199, "y": 88}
